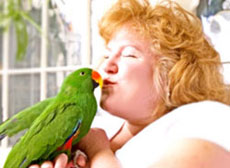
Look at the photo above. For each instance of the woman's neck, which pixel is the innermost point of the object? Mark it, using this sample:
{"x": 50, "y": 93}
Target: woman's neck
{"x": 126, "y": 132}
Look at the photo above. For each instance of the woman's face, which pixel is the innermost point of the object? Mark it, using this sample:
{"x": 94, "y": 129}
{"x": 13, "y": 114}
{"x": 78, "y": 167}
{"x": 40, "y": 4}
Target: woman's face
{"x": 128, "y": 90}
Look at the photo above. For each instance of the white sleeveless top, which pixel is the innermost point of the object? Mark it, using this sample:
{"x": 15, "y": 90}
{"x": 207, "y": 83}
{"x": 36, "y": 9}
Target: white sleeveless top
{"x": 206, "y": 120}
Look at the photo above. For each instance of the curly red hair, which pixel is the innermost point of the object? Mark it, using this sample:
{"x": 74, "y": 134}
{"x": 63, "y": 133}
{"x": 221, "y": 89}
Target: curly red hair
{"x": 188, "y": 67}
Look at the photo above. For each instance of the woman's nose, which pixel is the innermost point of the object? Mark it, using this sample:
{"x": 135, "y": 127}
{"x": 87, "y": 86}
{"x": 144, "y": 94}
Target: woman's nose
{"x": 110, "y": 66}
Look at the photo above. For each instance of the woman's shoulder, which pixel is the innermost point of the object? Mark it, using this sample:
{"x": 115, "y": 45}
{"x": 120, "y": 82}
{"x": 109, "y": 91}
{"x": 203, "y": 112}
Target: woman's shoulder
{"x": 199, "y": 110}
{"x": 203, "y": 107}
{"x": 207, "y": 120}
{"x": 204, "y": 112}
{"x": 190, "y": 153}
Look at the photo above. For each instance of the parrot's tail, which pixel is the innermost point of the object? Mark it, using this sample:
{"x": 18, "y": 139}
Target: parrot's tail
{"x": 2, "y": 135}
{"x": 3, "y": 130}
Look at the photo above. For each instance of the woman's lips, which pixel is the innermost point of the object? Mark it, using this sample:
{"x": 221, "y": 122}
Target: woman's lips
{"x": 108, "y": 83}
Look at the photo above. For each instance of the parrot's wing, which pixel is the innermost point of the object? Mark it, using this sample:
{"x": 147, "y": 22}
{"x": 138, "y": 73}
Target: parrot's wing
{"x": 48, "y": 132}
{"x": 23, "y": 119}
{"x": 75, "y": 132}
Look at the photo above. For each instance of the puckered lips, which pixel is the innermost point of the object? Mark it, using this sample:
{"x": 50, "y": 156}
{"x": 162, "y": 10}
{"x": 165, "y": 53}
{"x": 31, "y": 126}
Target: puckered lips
{"x": 108, "y": 83}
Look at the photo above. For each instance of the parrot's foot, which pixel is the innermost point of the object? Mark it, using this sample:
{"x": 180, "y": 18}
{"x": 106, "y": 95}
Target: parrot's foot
{"x": 78, "y": 154}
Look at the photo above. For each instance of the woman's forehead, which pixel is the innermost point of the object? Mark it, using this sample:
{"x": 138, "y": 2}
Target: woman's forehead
{"x": 126, "y": 35}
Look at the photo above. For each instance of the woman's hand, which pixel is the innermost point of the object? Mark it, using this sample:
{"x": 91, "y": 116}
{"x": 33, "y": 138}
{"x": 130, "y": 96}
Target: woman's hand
{"x": 96, "y": 146}
{"x": 94, "y": 142}
{"x": 62, "y": 162}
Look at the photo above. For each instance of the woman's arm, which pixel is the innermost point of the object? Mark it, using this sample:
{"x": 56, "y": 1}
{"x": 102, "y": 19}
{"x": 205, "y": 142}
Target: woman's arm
{"x": 190, "y": 153}
{"x": 96, "y": 145}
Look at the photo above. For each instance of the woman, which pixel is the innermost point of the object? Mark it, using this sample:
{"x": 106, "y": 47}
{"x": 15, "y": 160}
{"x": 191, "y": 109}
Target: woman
{"x": 163, "y": 77}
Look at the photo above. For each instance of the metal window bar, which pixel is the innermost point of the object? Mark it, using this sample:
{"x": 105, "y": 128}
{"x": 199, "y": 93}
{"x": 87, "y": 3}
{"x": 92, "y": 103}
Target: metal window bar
{"x": 5, "y": 82}
{"x": 44, "y": 49}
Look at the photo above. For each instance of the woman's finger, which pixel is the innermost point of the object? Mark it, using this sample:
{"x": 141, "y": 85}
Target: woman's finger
{"x": 47, "y": 164}
{"x": 61, "y": 161}
{"x": 81, "y": 161}
{"x": 80, "y": 158}
{"x": 34, "y": 166}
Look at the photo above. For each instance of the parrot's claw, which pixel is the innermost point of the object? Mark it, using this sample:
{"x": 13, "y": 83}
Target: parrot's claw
{"x": 77, "y": 154}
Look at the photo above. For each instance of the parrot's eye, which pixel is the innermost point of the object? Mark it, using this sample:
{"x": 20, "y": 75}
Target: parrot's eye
{"x": 82, "y": 73}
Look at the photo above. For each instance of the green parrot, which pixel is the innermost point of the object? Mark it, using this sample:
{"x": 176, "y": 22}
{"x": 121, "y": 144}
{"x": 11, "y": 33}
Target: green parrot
{"x": 63, "y": 122}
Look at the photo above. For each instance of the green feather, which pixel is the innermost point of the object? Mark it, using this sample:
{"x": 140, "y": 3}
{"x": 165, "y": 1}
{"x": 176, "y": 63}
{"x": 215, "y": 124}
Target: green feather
{"x": 23, "y": 119}
{"x": 75, "y": 102}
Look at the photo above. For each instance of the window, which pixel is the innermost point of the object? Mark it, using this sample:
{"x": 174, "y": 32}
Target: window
{"x": 47, "y": 61}
{"x": 40, "y": 74}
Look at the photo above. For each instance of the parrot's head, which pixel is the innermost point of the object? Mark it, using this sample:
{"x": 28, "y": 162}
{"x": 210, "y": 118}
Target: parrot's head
{"x": 81, "y": 80}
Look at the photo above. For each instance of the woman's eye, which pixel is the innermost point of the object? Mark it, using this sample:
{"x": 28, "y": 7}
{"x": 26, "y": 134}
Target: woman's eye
{"x": 106, "y": 57}
{"x": 130, "y": 52}
{"x": 129, "y": 56}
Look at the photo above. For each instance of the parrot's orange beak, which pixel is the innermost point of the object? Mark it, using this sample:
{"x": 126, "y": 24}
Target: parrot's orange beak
{"x": 97, "y": 77}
